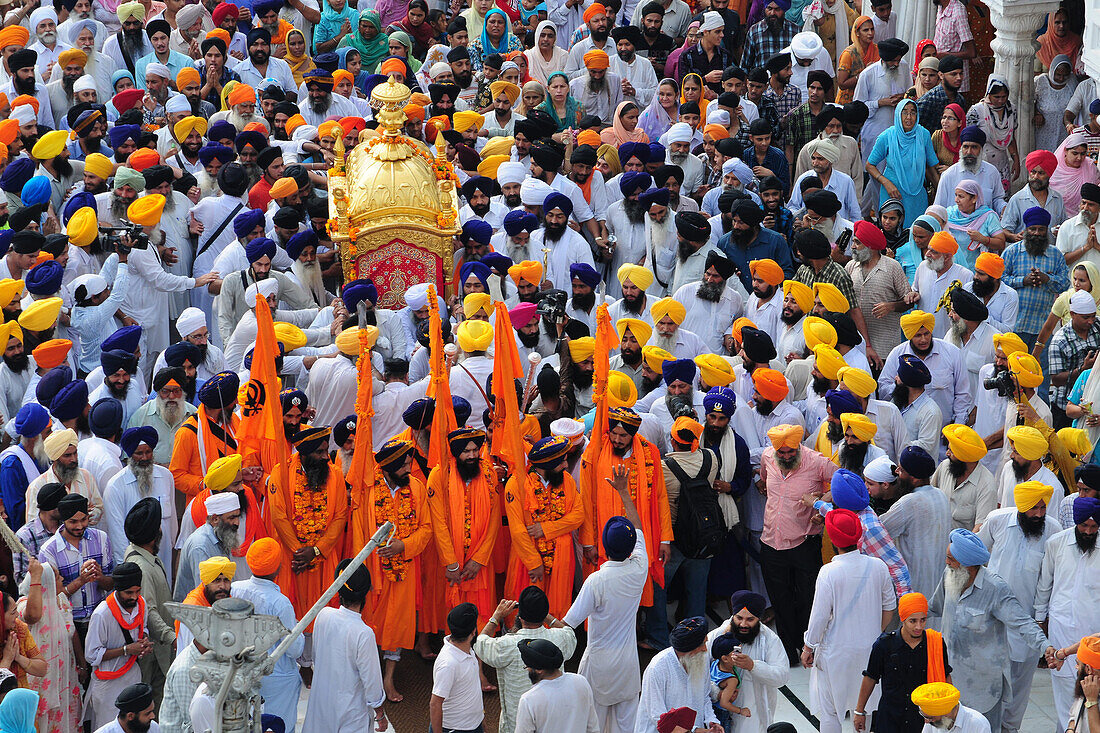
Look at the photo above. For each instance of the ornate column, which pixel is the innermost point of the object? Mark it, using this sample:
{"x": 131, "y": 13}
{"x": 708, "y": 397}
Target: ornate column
{"x": 1014, "y": 47}
{"x": 1090, "y": 51}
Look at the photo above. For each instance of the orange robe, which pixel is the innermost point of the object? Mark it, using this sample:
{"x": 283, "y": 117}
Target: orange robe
{"x": 448, "y": 507}
{"x": 329, "y": 510}
{"x": 390, "y": 609}
{"x": 649, "y": 496}
{"x": 186, "y": 466}
{"x": 431, "y": 603}
{"x": 531, "y": 431}
{"x": 559, "y": 516}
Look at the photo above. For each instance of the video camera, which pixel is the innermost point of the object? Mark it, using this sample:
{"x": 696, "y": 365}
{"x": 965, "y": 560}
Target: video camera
{"x": 112, "y": 238}
{"x": 1004, "y": 382}
{"x": 551, "y": 305}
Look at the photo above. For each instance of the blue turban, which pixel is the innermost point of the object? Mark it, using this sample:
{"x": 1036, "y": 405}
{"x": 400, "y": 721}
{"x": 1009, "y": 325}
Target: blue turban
{"x": 912, "y": 371}
{"x": 660, "y": 196}
{"x": 967, "y": 548}
{"x": 133, "y": 437}
{"x": 126, "y": 338}
{"x": 519, "y": 220}
{"x": 497, "y": 262}
{"x": 246, "y": 221}
{"x": 250, "y": 137}
{"x": 633, "y": 182}
{"x": 257, "y": 248}
{"x": 16, "y": 175}
{"x": 720, "y": 400}
{"x": 477, "y": 230}
{"x": 105, "y": 418}
{"x": 176, "y": 354}
{"x": 972, "y": 134}
{"x": 656, "y": 152}
{"x": 619, "y": 538}
{"x": 36, "y": 191}
{"x": 220, "y": 390}
{"x": 321, "y": 78}
{"x": 257, "y": 34}
{"x": 555, "y": 200}
{"x": 356, "y": 291}
{"x": 689, "y": 634}
{"x": 77, "y": 202}
{"x": 1036, "y": 216}
{"x": 273, "y": 723}
{"x": 585, "y": 273}
{"x": 753, "y": 602}
{"x": 1084, "y": 508}
{"x": 70, "y": 400}
{"x": 117, "y": 359}
{"x": 294, "y": 397}
{"x": 51, "y": 382}
{"x": 300, "y": 241}
{"x": 679, "y": 369}
{"x": 260, "y": 7}
{"x": 221, "y": 130}
{"x": 45, "y": 278}
{"x": 119, "y": 134}
{"x": 917, "y": 463}
{"x": 785, "y": 5}
{"x": 419, "y": 414}
{"x": 1094, "y": 107}
{"x": 212, "y": 150}
{"x": 462, "y": 409}
{"x": 840, "y": 401}
{"x": 6, "y": 235}
{"x": 549, "y": 451}
{"x": 344, "y": 429}
{"x": 31, "y": 419}
{"x": 478, "y": 269}
{"x": 849, "y": 491}
{"x": 634, "y": 150}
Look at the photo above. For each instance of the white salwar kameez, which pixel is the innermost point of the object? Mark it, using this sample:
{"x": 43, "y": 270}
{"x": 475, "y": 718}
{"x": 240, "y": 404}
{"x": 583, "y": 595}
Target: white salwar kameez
{"x": 347, "y": 677}
{"x": 120, "y": 496}
{"x": 665, "y": 686}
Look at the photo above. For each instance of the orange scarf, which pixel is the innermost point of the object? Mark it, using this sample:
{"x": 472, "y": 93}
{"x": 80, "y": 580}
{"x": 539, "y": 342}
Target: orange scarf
{"x": 137, "y": 624}
{"x": 934, "y": 640}
{"x": 474, "y": 523}
{"x": 197, "y": 597}
{"x": 643, "y": 496}
{"x": 544, "y": 504}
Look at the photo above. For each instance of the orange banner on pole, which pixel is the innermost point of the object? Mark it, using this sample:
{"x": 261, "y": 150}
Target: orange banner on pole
{"x": 507, "y": 368}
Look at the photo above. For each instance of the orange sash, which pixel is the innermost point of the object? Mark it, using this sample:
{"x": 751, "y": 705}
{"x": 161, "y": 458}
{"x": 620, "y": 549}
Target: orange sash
{"x": 934, "y": 640}
{"x": 480, "y": 497}
{"x": 138, "y": 623}
{"x": 648, "y": 510}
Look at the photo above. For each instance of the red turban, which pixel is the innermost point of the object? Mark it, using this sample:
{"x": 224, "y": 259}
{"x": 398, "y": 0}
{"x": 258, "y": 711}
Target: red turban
{"x": 1043, "y": 159}
{"x": 870, "y": 235}
{"x": 844, "y": 527}
{"x": 676, "y": 718}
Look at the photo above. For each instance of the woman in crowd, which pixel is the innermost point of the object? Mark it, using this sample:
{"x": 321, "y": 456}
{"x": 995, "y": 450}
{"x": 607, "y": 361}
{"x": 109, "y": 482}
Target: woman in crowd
{"x": 672, "y": 64}
{"x": 547, "y": 56}
{"x": 663, "y": 111}
{"x": 624, "y": 128}
{"x": 891, "y": 220}
{"x": 49, "y": 614}
{"x": 1083, "y": 276}
{"x": 509, "y": 72}
{"x": 1053, "y": 91}
{"x": 560, "y": 104}
{"x": 906, "y": 149}
{"x": 1074, "y": 170}
{"x": 296, "y": 55}
{"x": 520, "y": 60}
{"x": 1058, "y": 40}
{"x": 946, "y": 140}
{"x": 17, "y": 711}
{"x": 416, "y": 25}
{"x": 401, "y": 46}
{"x": 368, "y": 39}
{"x": 925, "y": 49}
{"x": 996, "y": 116}
{"x": 974, "y": 225}
{"x": 912, "y": 252}
{"x": 926, "y": 78}
{"x": 953, "y": 36}
{"x": 337, "y": 17}
{"x": 855, "y": 58}
{"x": 692, "y": 89}
{"x": 531, "y": 95}
{"x": 496, "y": 37}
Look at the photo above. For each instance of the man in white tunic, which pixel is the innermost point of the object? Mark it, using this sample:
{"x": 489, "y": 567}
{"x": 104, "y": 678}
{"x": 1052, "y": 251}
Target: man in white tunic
{"x": 558, "y": 701}
{"x": 626, "y": 225}
{"x": 679, "y": 677}
{"x": 141, "y": 478}
{"x": 639, "y": 80}
{"x": 880, "y": 86}
{"x": 853, "y": 603}
{"x": 948, "y": 386}
{"x": 137, "y": 711}
{"x": 714, "y": 302}
{"x": 609, "y": 600}
{"x": 971, "y": 332}
{"x": 920, "y": 520}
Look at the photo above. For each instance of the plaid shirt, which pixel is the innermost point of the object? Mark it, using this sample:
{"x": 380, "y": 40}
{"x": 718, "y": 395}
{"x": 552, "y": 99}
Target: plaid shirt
{"x": 33, "y": 534}
{"x": 930, "y": 107}
{"x": 876, "y": 542}
{"x": 711, "y": 177}
{"x": 761, "y": 44}
{"x": 834, "y": 274}
{"x": 94, "y": 545}
{"x": 1067, "y": 352}
{"x": 784, "y": 105}
{"x": 800, "y": 127}
{"x": 1035, "y": 302}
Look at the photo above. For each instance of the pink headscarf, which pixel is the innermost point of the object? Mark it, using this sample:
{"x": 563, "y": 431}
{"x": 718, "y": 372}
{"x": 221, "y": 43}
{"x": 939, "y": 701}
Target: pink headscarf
{"x": 1068, "y": 181}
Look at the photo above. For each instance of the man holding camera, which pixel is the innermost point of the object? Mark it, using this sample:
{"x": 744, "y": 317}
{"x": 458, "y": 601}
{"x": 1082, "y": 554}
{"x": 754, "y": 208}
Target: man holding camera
{"x": 1072, "y": 351}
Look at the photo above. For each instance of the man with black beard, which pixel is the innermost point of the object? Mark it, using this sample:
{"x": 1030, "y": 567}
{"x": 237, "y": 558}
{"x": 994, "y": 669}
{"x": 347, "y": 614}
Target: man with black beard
{"x": 557, "y": 700}
{"x": 443, "y": 96}
{"x": 923, "y": 417}
{"x": 477, "y": 191}
{"x": 653, "y": 359}
{"x": 53, "y": 159}
{"x": 633, "y": 281}
{"x": 1026, "y": 448}
{"x": 462, "y": 72}
{"x": 654, "y": 44}
{"x": 773, "y": 32}
{"x": 638, "y": 79}
{"x": 1013, "y": 534}
{"x": 130, "y": 43}
{"x": 547, "y": 158}
{"x": 714, "y": 301}
{"x": 118, "y": 368}
{"x": 633, "y": 336}
{"x": 626, "y": 223}
{"x": 14, "y": 372}
{"x": 599, "y": 23}
{"x": 24, "y": 80}
{"x": 136, "y": 709}
{"x": 567, "y": 246}
{"x": 1039, "y": 165}
{"x": 1002, "y": 302}
{"x": 857, "y": 450}
{"x": 581, "y": 306}
{"x": 295, "y": 412}
{"x": 968, "y": 484}
{"x": 580, "y": 373}
{"x": 734, "y": 465}
{"x": 323, "y": 104}
{"x": 747, "y": 241}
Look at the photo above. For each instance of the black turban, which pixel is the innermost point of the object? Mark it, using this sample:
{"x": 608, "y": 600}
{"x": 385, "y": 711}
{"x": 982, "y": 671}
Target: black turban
{"x": 359, "y": 582}
{"x": 142, "y": 521}
{"x": 72, "y": 504}
{"x": 534, "y": 606}
{"x": 49, "y": 496}
{"x": 689, "y": 634}
{"x": 728, "y": 199}
{"x": 583, "y": 155}
{"x": 135, "y": 698}
{"x": 968, "y": 306}
{"x": 692, "y": 226}
{"x": 753, "y": 602}
{"x": 627, "y": 32}
{"x": 722, "y": 264}
{"x": 812, "y": 244}
{"x": 891, "y": 48}
{"x": 823, "y": 203}
{"x": 547, "y": 156}
{"x": 748, "y": 212}
{"x": 541, "y": 654}
{"x": 846, "y": 332}
{"x": 126, "y": 575}
{"x": 777, "y": 63}
{"x": 758, "y": 345}
{"x": 462, "y": 620}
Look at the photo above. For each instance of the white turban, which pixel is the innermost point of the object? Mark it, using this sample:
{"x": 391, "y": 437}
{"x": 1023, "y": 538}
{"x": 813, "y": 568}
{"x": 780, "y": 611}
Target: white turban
{"x": 827, "y": 149}
{"x": 681, "y": 132}
{"x": 532, "y": 192}
{"x": 712, "y": 21}
{"x": 566, "y": 427}
{"x": 511, "y": 172}
{"x": 85, "y": 83}
{"x": 882, "y": 469}
{"x": 417, "y": 296}
{"x": 740, "y": 169}
{"x": 304, "y": 134}
{"x": 188, "y": 15}
{"x": 222, "y": 503}
{"x": 440, "y": 67}
{"x": 718, "y": 116}
{"x": 23, "y": 114}
{"x": 93, "y": 284}
{"x": 159, "y": 69}
{"x": 191, "y": 320}
{"x": 1082, "y": 303}
{"x": 41, "y": 14}
{"x": 265, "y": 288}
{"x": 176, "y": 103}
{"x": 805, "y": 45}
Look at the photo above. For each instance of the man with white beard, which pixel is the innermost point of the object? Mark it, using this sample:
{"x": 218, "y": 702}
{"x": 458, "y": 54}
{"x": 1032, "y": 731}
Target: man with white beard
{"x": 65, "y": 469}
{"x": 81, "y": 11}
{"x": 714, "y": 302}
{"x": 668, "y": 331}
{"x": 679, "y": 677}
{"x": 977, "y": 608}
{"x": 87, "y": 35}
{"x": 598, "y": 90}
{"x": 216, "y": 538}
{"x": 626, "y": 224}
{"x": 141, "y": 478}
{"x": 166, "y": 412}
{"x": 306, "y": 270}
{"x": 22, "y": 463}
{"x": 678, "y": 141}
{"x": 934, "y": 276}
{"x": 971, "y": 167}
{"x": 43, "y": 24}
{"x": 514, "y": 239}
{"x": 130, "y": 43}
{"x": 880, "y": 86}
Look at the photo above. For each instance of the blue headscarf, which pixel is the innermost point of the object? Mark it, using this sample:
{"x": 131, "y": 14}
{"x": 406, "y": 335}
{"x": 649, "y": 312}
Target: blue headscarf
{"x": 361, "y": 77}
{"x": 907, "y": 146}
{"x": 118, "y": 75}
{"x": 17, "y": 711}
{"x": 487, "y": 46}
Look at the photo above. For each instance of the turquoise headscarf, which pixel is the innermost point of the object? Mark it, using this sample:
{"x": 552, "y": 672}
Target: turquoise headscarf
{"x": 487, "y": 46}
{"x": 905, "y": 151}
{"x": 371, "y": 51}
{"x": 909, "y": 255}
{"x": 17, "y": 711}
{"x": 331, "y": 23}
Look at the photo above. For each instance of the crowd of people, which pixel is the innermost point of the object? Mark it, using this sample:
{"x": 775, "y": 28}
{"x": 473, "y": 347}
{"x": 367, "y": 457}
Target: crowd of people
{"x": 757, "y": 314}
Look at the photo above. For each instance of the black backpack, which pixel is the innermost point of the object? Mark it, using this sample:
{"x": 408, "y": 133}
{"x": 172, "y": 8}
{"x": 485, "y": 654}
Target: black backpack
{"x": 700, "y": 530}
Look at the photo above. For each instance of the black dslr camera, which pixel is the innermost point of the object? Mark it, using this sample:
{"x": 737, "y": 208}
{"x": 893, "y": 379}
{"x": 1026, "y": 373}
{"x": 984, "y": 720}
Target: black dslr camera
{"x": 112, "y": 237}
{"x": 551, "y": 306}
{"x": 1003, "y": 382}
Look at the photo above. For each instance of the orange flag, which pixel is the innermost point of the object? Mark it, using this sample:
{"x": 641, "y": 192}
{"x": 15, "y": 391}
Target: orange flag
{"x": 361, "y": 473}
{"x": 507, "y": 368}
{"x": 606, "y": 341}
{"x": 439, "y": 387}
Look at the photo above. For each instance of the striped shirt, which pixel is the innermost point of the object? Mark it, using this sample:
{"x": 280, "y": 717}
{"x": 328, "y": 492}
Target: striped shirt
{"x": 94, "y": 545}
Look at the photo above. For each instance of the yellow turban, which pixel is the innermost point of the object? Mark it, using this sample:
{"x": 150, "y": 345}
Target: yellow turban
{"x": 1009, "y": 343}
{"x": 767, "y": 270}
{"x": 184, "y": 127}
{"x": 70, "y": 56}
{"x": 640, "y": 276}
{"x": 674, "y": 309}
{"x": 714, "y": 370}
{"x": 506, "y": 88}
{"x": 50, "y": 145}
{"x": 655, "y": 357}
{"x": 223, "y": 472}
{"x": 9, "y": 290}
{"x": 209, "y": 570}
{"x": 965, "y": 443}
{"x": 59, "y": 441}
{"x": 639, "y": 328}
{"x": 828, "y": 361}
{"x": 818, "y": 331}
{"x": 913, "y": 321}
{"x": 498, "y": 146}
{"x": 861, "y": 425}
{"x": 466, "y": 119}
{"x": 347, "y": 341}
{"x": 488, "y": 167}
{"x": 41, "y": 314}
{"x": 936, "y": 698}
{"x": 528, "y": 270}
{"x": 785, "y": 436}
{"x": 83, "y": 227}
{"x": 474, "y": 335}
{"x": 1030, "y": 493}
{"x": 475, "y": 302}
{"x": 621, "y": 390}
{"x": 99, "y": 165}
{"x": 146, "y": 210}
{"x": 801, "y": 292}
{"x": 1028, "y": 442}
{"x": 290, "y": 336}
{"x": 10, "y": 330}
{"x": 1075, "y": 440}
{"x": 282, "y": 188}
{"x": 1026, "y": 369}
{"x": 831, "y": 297}
{"x": 857, "y": 381}
{"x": 126, "y": 11}
{"x": 582, "y": 348}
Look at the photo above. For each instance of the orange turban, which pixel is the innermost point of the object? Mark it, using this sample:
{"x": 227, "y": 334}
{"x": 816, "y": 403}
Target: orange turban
{"x": 260, "y": 127}
{"x": 911, "y": 603}
{"x": 25, "y": 99}
{"x": 529, "y": 270}
{"x": 283, "y": 187}
{"x": 330, "y": 128}
{"x": 738, "y": 325}
{"x": 242, "y": 94}
{"x": 596, "y": 59}
{"x": 785, "y": 436}
{"x": 389, "y": 66}
{"x": 293, "y": 123}
{"x": 71, "y": 55}
{"x": 771, "y": 385}
{"x": 14, "y": 35}
{"x": 352, "y": 124}
{"x": 717, "y": 132}
{"x": 51, "y": 353}
{"x": 590, "y": 12}
{"x": 221, "y": 33}
{"x": 414, "y": 112}
{"x": 590, "y": 138}
{"x": 344, "y": 74}
{"x": 767, "y": 270}
{"x": 990, "y": 264}
{"x": 943, "y": 243}
{"x": 264, "y": 556}
{"x": 187, "y": 75}
{"x": 9, "y": 130}
{"x": 1089, "y": 651}
{"x": 143, "y": 158}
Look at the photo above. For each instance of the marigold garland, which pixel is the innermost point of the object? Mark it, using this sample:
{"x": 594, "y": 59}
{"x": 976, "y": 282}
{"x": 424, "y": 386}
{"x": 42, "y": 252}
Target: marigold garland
{"x": 310, "y": 510}
{"x": 399, "y": 509}
{"x": 549, "y": 507}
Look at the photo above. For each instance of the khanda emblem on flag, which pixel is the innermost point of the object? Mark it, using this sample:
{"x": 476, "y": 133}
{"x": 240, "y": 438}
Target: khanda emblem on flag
{"x": 255, "y": 394}
{"x": 945, "y": 299}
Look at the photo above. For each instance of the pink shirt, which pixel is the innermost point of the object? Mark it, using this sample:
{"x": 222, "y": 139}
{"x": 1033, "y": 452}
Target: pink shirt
{"x": 786, "y": 518}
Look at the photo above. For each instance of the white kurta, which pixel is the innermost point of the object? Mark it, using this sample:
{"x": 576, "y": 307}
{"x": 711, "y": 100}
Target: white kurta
{"x": 976, "y": 353}
{"x": 712, "y": 321}
{"x": 920, "y": 523}
{"x": 119, "y": 497}
{"x": 101, "y": 458}
{"x": 562, "y": 705}
{"x": 570, "y": 249}
{"x": 665, "y": 686}
{"x": 759, "y": 685}
{"x": 104, "y": 633}
{"x": 347, "y": 677}
{"x": 331, "y": 389}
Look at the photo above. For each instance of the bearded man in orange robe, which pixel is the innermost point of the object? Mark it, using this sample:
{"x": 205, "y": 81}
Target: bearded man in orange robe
{"x": 544, "y": 507}
{"x": 206, "y": 436}
{"x": 396, "y": 496}
{"x": 623, "y": 446}
{"x": 465, "y": 517}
